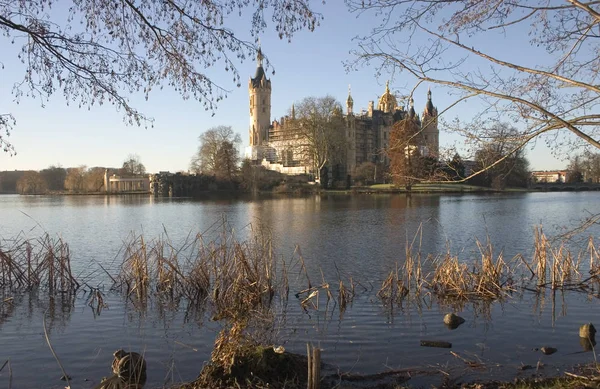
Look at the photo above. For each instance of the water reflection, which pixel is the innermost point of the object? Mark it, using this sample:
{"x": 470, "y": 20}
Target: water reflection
{"x": 31, "y": 305}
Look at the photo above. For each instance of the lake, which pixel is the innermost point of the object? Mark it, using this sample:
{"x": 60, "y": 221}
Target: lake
{"x": 358, "y": 236}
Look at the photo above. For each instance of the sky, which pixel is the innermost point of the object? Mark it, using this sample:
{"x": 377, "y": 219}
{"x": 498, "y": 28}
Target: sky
{"x": 311, "y": 65}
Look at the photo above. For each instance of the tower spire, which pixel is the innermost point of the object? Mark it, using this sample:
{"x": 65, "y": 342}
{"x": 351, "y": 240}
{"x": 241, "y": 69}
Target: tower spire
{"x": 259, "y": 56}
{"x": 293, "y": 111}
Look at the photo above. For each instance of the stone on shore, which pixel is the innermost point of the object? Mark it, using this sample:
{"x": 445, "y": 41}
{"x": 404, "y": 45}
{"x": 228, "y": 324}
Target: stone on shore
{"x": 587, "y": 331}
{"x": 452, "y": 321}
{"x": 548, "y": 350}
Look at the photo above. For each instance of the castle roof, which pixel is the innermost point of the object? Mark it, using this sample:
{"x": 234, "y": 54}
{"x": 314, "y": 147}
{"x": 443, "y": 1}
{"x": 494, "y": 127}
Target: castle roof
{"x": 429, "y": 108}
{"x": 260, "y": 71}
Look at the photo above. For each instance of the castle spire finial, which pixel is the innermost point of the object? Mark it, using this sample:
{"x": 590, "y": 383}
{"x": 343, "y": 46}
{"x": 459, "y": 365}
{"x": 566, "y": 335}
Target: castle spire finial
{"x": 429, "y": 93}
{"x": 259, "y": 56}
{"x": 387, "y": 86}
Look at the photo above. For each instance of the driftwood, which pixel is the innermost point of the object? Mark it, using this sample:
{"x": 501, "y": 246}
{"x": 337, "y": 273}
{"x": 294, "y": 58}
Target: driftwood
{"x": 436, "y": 343}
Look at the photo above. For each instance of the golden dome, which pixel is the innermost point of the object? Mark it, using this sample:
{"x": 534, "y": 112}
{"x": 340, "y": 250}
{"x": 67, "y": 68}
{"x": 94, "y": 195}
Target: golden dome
{"x": 387, "y": 102}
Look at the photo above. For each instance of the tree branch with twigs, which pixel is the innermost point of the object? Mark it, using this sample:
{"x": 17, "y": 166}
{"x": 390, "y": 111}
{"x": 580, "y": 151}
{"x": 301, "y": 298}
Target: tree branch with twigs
{"x": 107, "y": 51}
{"x": 448, "y": 43}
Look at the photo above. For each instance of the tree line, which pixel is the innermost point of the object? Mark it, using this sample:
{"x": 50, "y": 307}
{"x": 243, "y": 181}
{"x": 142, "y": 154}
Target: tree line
{"x": 56, "y": 179}
{"x": 584, "y": 167}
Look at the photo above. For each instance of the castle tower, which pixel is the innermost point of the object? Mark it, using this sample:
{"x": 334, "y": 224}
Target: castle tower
{"x": 350, "y": 135}
{"x": 259, "y": 88}
{"x": 429, "y": 121}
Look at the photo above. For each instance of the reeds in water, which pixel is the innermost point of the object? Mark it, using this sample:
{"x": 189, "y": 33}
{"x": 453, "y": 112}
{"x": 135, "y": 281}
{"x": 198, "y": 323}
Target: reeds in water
{"x": 447, "y": 277}
{"x": 31, "y": 263}
{"x": 237, "y": 279}
{"x": 452, "y": 279}
{"x": 558, "y": 267}
{"x": 488, "y": 278}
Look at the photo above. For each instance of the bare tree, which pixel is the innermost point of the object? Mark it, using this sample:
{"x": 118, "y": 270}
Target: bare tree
{"x": 32, "y": 183}
{"x": 133, "y": 166}
{"x": 75, "y": 180}
{"x": 316, "y": 133}
{"x": 557, "y": 92}
{"x": 500, "y": 158}
{"x": 94, "y": 179}
{"x": 218, "y": 153}
{"x": 406, "y": 162}
{"x": 575, "y": 170}
{"x": 104, "y": 51}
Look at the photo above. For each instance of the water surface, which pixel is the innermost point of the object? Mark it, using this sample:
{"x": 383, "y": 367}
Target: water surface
{"x": 362, "y": 236}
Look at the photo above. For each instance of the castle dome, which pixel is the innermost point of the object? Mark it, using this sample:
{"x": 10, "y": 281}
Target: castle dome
{"x": 387, "y": 102}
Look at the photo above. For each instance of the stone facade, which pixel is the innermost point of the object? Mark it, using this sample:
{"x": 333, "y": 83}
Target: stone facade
{"x": 367, "y": 133}
{"x": 120, "y": 184}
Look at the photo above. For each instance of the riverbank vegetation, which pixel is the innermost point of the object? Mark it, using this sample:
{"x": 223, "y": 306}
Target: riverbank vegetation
{"x": 239, "y": 280}
{"x": 43, "y": 262}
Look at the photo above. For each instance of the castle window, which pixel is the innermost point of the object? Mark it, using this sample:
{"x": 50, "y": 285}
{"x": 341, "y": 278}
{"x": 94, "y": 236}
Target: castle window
{"x": 263, "y": 109}
{"x": 425, "y": 137}
{"x": 263, "y": 101}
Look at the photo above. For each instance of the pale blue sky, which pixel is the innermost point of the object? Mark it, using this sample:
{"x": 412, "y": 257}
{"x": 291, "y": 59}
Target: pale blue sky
{"x": 311, "y": 65}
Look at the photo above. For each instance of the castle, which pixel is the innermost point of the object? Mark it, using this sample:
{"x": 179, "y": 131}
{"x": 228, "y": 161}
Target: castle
{"x": 367, "y": 133}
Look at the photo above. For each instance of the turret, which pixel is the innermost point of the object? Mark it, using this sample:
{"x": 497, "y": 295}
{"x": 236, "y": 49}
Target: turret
{"x": 259, "y": 88}
{"x": 430, "y": 110}
{"x": 349, "y": 102}
{"x": 411, "y": 110}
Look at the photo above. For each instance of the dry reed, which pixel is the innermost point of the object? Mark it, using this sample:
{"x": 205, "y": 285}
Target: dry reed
{"x": 30, "y": 263}
{"x": 452, "y": 279}
{"x": 237, "y": 279}
{"x": 557, "y": 267}
{"x": 448, "y": 277}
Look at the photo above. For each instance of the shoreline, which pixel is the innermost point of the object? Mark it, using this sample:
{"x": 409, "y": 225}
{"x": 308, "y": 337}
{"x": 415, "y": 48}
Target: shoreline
{"x": 437, "y": 188}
